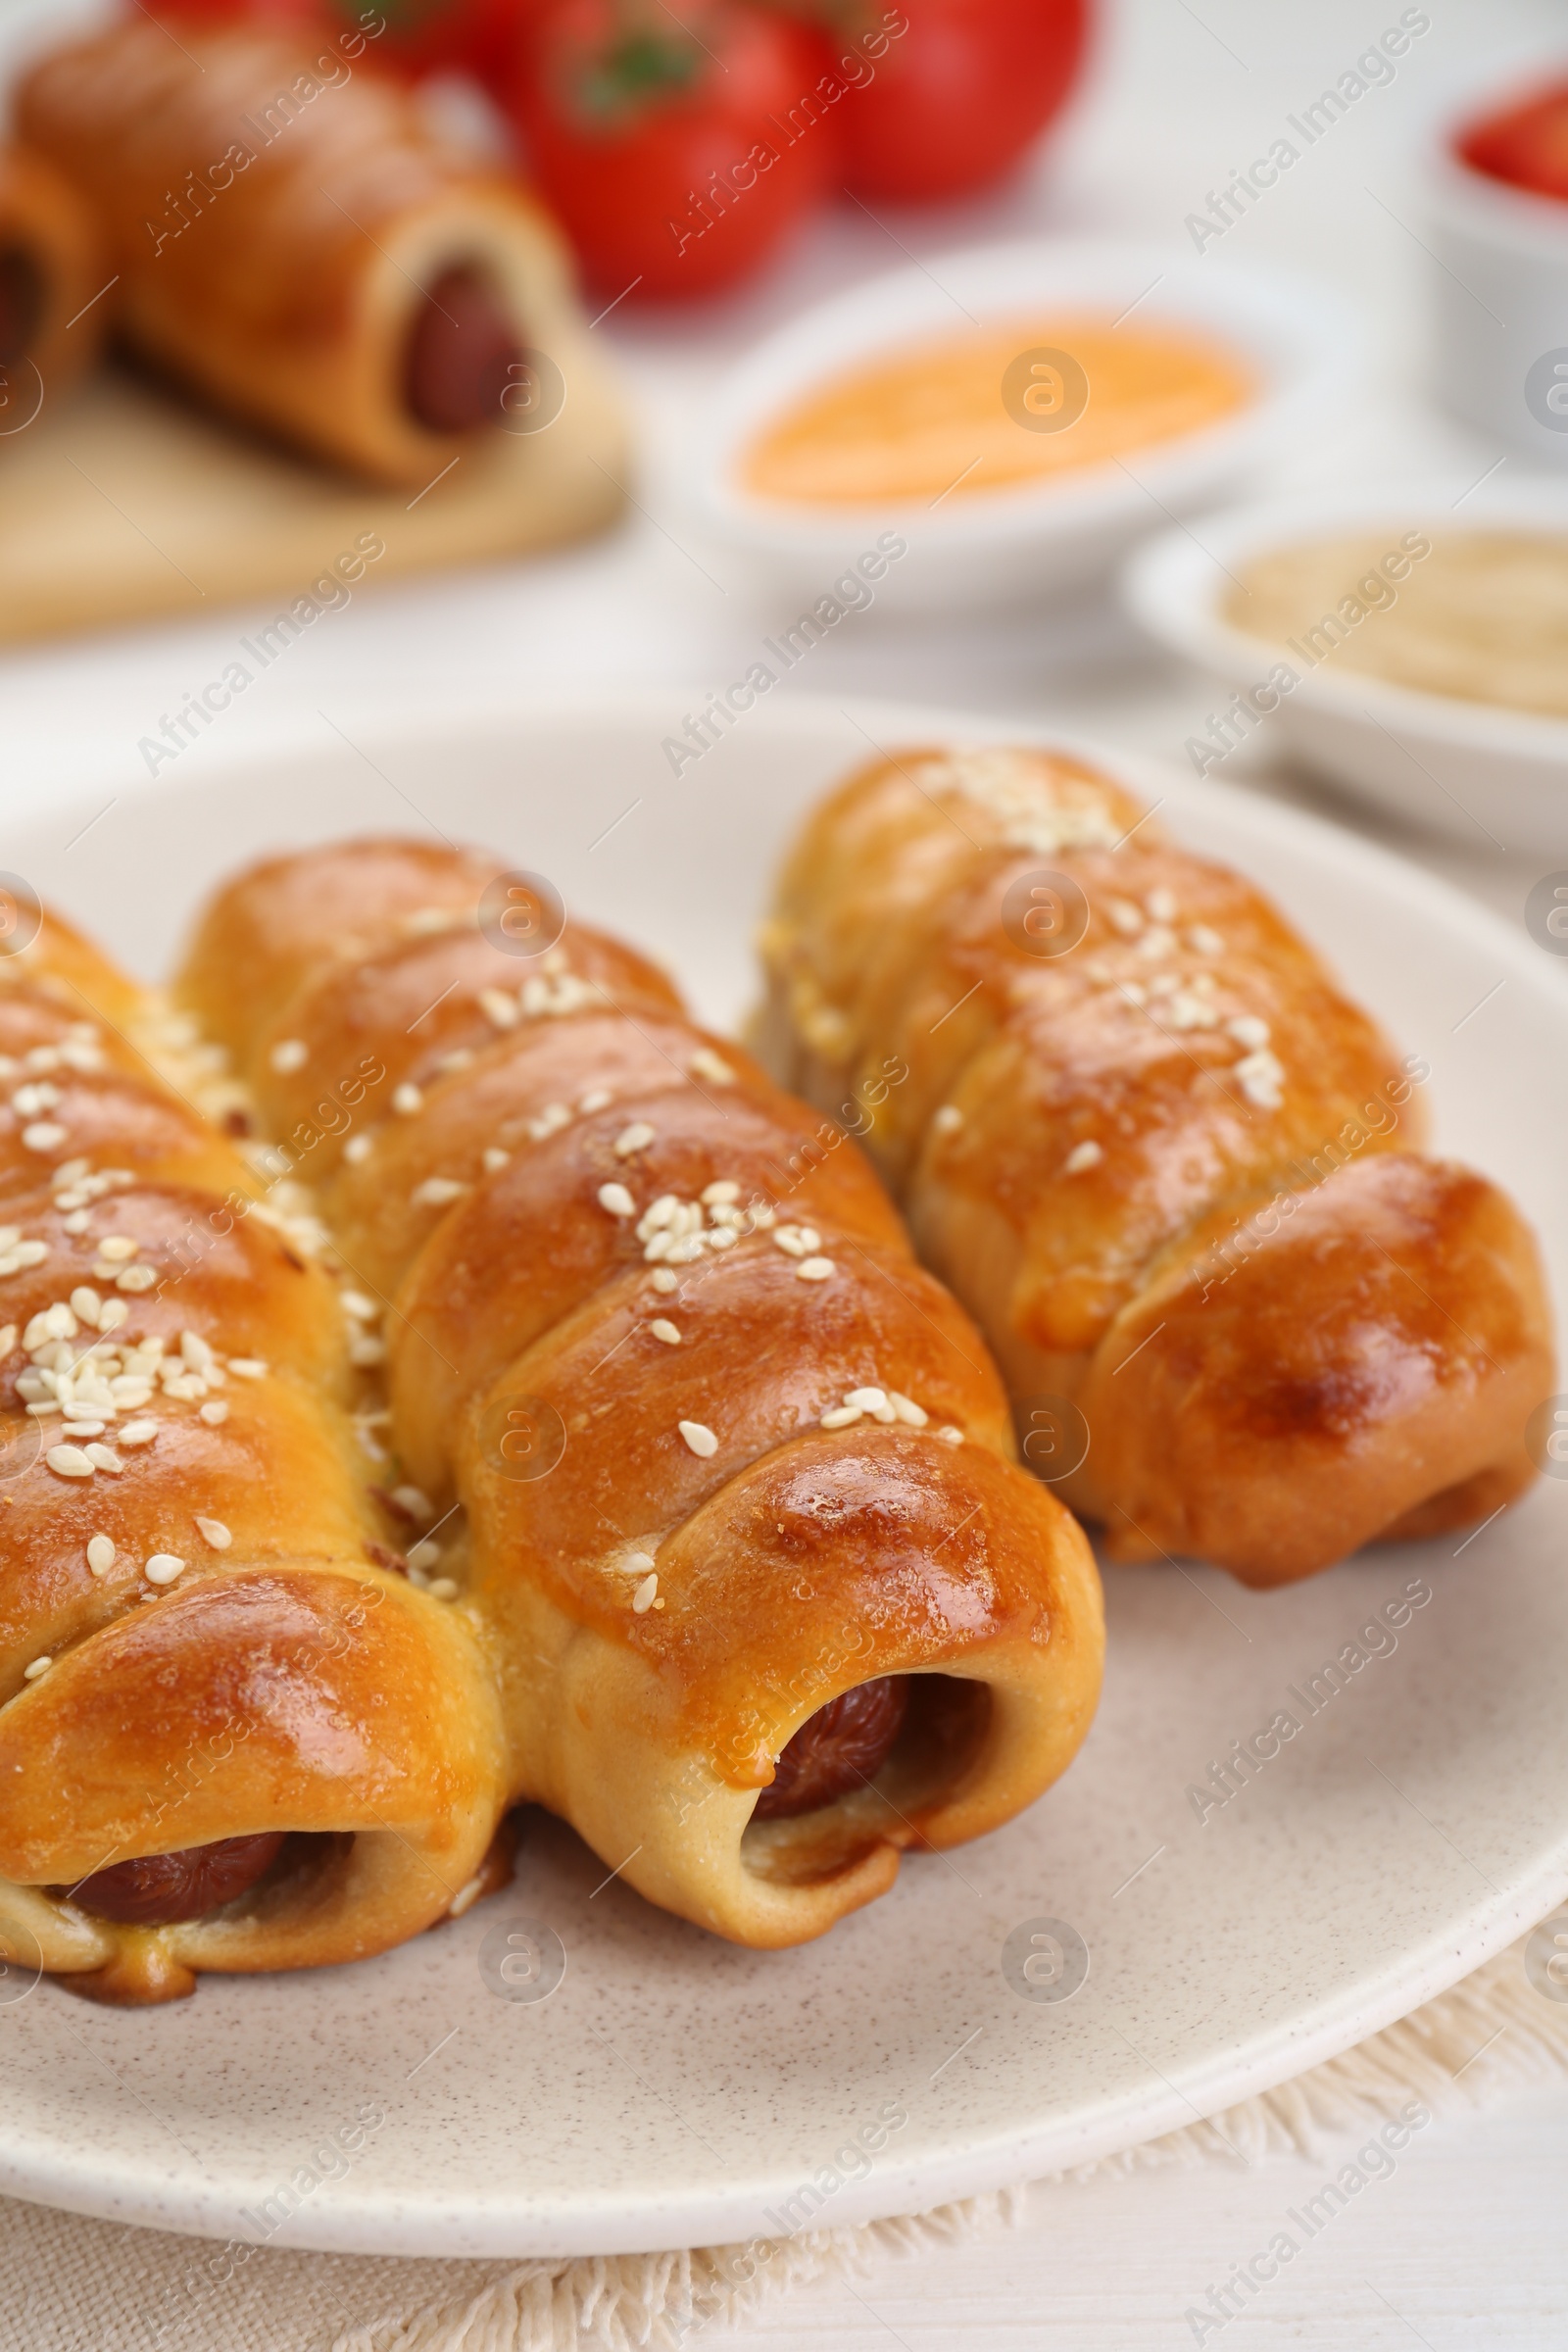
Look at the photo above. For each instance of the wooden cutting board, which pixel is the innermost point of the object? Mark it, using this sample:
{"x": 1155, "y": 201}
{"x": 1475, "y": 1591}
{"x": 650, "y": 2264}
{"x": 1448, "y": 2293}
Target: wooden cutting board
{"x": 130, "y": 504}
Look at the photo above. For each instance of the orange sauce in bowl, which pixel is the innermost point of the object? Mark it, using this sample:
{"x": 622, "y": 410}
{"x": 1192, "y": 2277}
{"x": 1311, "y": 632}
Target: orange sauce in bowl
{"x": 995, "y": 408}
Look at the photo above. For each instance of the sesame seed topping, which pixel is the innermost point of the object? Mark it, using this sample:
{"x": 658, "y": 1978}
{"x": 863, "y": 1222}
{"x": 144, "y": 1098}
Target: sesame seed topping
{"x": 498, "y": 1007}
{"x": 1203, "y": 940}
{"x": 948, "y": 1120}
{"x": 69, "y": 1461}
{"x": 914, "y": 1415}
{"x": 950, "y": 1436}
{"x": 138, "y": 1433}
{"x": 598, "y": 1098}
{"x": 797, "y": 1241}
{"x": 495, "y": 1159}
{"x": 424, "y": 1553}
{"x": 467, "y": 1896}
{"x": 664, "y": 1280}
{"x": 116, "y": 1246}
{"x": 1247, "y": 1030}
{"x": 700, "y": 1440}
{"x": 163, "y": 1567}
{"x": 137, "y": 1278}
{"x": 105, "y": 1458}
{"x": 100, "y": 1554}
{"x": 666, "y": 1332}
{"x": 43, "y": 1135}
{"x": 553, "y": 1117}
{"x": 366, "y": 1349}
{"x": 290, "y": 1054}
{"x": 416, "y": 1502}
{"x": 842, "y": 1416}
{"x": 214, "y": 1533}
{"x": 873, "y": 1401}
{"x": 616, "y": 1198}
{"x": 38, "y": 1668}
{"x": 1127, "y": 918}
{"x": 357, "y": 1148}
{"x": 706, "y": 1064}
{"x": 633, "y": 1139}
{"x": 437, "y": 1192}
{"x": 442, "y": 1587}
{"x": 407, "y": 1099}
{"x": 722, "y": 1193}
{"x": 248, "y": 1367}
{"x": 356, "y": 1304}
{"x": 1087, "y": 1154}
{"x": 1162, "y": 905}
{"x": 641, "y": 1600}
{"x": 814, "y": 1269}
{"x": 1261, "y": 1076}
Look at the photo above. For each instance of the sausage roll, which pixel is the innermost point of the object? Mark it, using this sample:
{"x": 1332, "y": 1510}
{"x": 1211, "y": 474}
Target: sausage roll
{"x": 50, "y": 270}
{"x": 295, "y": 243}
{"x": 723, "y": 1481}
{"x": 1172, "y": 1172}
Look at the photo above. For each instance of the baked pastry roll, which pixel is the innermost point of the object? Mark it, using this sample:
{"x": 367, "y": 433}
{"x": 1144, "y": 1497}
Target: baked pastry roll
{"x": 232, "y": 1736}
{"x": 50, "y": 270}
{"x": 1173, "y": 1173}
{"x": 295, "y": 243}
{"x": 725, "y": 1479}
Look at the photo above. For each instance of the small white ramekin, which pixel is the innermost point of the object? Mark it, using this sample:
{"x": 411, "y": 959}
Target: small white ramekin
{"x": 992, "y": 547}
{"x": 1474, "y": 770}
{"x": 1500, "y": 302}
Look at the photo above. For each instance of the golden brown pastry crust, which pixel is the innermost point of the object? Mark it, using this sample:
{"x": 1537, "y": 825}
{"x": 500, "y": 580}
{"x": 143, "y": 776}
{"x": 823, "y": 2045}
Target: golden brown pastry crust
{"x": 44, "y": 221}
{"x": 276, "y": 208}
{"x": 789, "y": 1561}
{"x": 1171, "y": 1170}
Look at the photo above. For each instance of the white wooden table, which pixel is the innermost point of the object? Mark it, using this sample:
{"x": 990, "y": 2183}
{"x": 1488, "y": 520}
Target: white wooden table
{"x": 1465, "y": 2244}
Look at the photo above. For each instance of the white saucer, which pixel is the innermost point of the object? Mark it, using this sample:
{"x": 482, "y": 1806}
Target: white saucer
{"x": 675, "y": 2090}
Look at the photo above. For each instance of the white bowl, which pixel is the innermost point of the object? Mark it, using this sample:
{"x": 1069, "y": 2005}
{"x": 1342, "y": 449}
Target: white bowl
{"x": 990, "y": 546}
{"x": 1475, "y": 770}
{"x": 1500, "y": 302}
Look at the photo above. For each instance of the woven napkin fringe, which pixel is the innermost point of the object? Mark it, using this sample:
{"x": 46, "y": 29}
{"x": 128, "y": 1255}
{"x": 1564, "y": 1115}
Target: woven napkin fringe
{"x": 1489, "y": 2033}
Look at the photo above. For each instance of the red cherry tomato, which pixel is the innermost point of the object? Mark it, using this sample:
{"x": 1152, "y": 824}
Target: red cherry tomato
{"x": 1527, "y": 146}
{"x": 678, "y": 140}
{"x": 952, "y": 100}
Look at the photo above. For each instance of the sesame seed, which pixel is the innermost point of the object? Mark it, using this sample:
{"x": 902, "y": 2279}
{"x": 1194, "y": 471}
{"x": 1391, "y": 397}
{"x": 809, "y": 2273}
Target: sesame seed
{"x": 113, "y": 1314}
{"x": 842, "y": 1416}
{"x": 870, "y": 1401}
{"x": 633, "y": 1139}
{"x": 664, "y": 1280}
{"x": 437, "y": 1192}
{"x": 915, "y": 1415}
{"x": 442, "y": 1587}
{"x": 1127, "y": 918}
{"x": 214, "y": 1533}
{"x": 141, "y": 1433}
{"x": 38, "y": 1668}
{"x": 599, "y": 1098}
{"x": 357, "y": 1148}
{"x": 163, "y": 1567}
{"x": 1261, "y": 1076}
{"x": 722, "y": 1193}
{"x": 948, "y": 1120}
{"x": 616, "y": 1198}
{"x": 43, "y": 1135}
{"x": 366, "y": 1348}
{"x": 290, "y": 1054}
{"x": 356, "y": 1304}
{"x": 424, "y": 1553}
{"x": 1205, "y": 941}
{"x": 639, "y": 1560}
{"x": 641, "y": 1600}
{"x": 100, "y": 1554}
{"x": 700, "y": 1440}
{"x": 105, "y": 1458}
{"x": 666, "y": 1332}
{"x": 950, "y": 1436}
{"x": 407, "y": 1099}
{"x": 797, "y": 1241}
{"x": 248, "y": 1367}
{"x": 467, "y": 1896}
{"x": 118, "y": 1246}
{"x": 498, "y": 1007}
{"x": 1247, "y": 1030}
{"x": 495, "y": 1159}
{"x": 1162, "y": 905}
{"x": 137, "y": 1278}
{"x": 814, "y": 1269}
{"x": 69, "y": 1461}
{"x": 415, "y": 1501}
{"x": 1087, "y": 1154}
{"x": 706, "y": 1064}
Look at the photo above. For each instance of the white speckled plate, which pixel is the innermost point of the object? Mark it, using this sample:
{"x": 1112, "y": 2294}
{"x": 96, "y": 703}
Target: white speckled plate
{"x": 672, "y": 2089}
